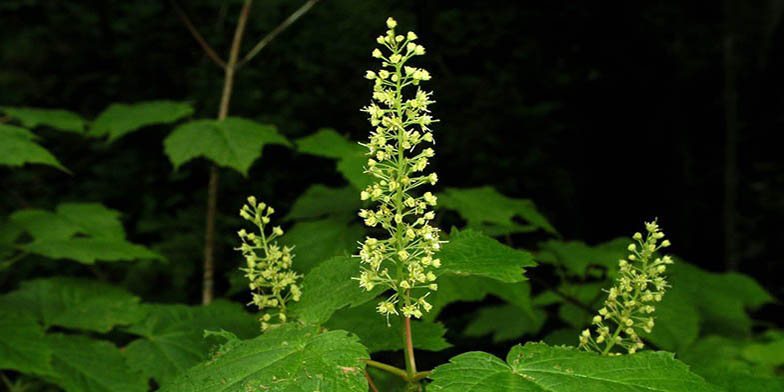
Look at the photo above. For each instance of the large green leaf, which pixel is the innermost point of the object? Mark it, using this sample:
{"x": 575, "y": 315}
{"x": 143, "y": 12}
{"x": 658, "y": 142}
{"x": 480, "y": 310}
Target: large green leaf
{"x": 677, "y": 322}
{"x": 322, "y": 239}
{"x": 18, "y": 147}
{"x": 62, "y": 120}
{"x": 100, "y": 234}
{"x": 287, "y": 358}
{"x": 376, "y": 335}
{"x": 22, "y": 344}
{"x": 329, "y": 287}
{"x": 721, "y": 299}
{"x": 172, "y": 336}
{"x": 351, "y": 156}
{"x": 234, "y": 142}
{"x": 120, "y": 119}
{"x": 319, "y": 201}
{"x": 469, "y": 252}
{"x": 538, "y": 367}
{"x": 505, "y": 322}
{"x": 493, "y": 213}
{"x": 454, "y": 288}
{"x": 74, "y": 303}
{"x": 87, "y": 365}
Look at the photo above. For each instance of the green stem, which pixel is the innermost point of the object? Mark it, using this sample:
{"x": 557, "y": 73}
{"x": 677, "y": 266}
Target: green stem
{"x": 409, "y": 349}
{"x": 388, "y": 368}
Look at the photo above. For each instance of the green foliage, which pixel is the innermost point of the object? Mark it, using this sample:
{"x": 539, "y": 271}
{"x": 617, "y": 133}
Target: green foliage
{"x": 120, "y": 119}
{"x": 472, "y": 253}
{"x": 289, "y": 357}
{"x": 322, "y": 239}
{"x": 577, "y": 258}
{"x": 171, "y": 336}
{"x": 488, "y": 211}
{"x": 23, "y": 347}
{"x": 538, "y": 367}
{"x": 505, "y": 322}
{"x": 329, "y": 288}
{"x": 376, "y": 335}
{"x": 319, "y": 201}
{"x": 351, "y": 157}
{"x": 61, "y": 120}
{"x": 18, "y": 147}
{"x": 234, "y": 142}
{"x": 84, "y": 232}
{"x": 74, "y": 303}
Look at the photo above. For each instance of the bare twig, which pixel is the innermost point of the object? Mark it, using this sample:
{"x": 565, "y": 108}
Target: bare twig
{"x": 274, "y": 33}
{"x": 197, "y": 36}
{"x": 370, "y": 382}
{"x": 212, "y": 190}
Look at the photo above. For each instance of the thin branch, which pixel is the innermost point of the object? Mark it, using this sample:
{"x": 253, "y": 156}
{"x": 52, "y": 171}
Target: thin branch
{"x": 411, "y": 362}
{"x": 421, "y": 375}
{"x": 370, "y": 381}
{"x": 197, "y": 36}
{"x": 274, "y": 33}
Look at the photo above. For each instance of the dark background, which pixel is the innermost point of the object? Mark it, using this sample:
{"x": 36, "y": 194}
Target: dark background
{"x": 604, "y": 114}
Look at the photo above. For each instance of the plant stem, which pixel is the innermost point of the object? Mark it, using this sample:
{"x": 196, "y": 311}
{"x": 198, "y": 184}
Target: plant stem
{"x": 409, "y": 349}
{"x": 277, "y": 30}
{"x": 370, "y": 382}
{"x": 212, "y": 190}
{"x": 388, "y": 368}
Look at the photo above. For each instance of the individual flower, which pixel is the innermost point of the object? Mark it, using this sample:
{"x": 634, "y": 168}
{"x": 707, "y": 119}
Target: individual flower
{"x": 405, "y": 259}
{"x": 631, "y": 301}
{"x": 267, "y": 265}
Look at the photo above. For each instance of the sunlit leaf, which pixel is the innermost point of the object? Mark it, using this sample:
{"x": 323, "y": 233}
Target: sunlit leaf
{"x": 59, "y": 119}
{"x": 321, "y": 240}
{"x": 18, "y": 147}
{"x": 319, "y": 201}
{"x": 287, "y": 358}
{"x": 234, "y": 142}
{"x": 472, "y": 253}
{"x": 120, "y": 119}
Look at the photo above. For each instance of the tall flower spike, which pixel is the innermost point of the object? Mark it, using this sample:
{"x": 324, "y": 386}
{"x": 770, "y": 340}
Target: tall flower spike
{"x": 267, "y": 266}
{"x": 631, "y": 301}
{"x": 404, "y": 261}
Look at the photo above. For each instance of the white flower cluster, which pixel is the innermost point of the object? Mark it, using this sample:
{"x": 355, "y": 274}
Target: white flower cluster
{"x": 630, "y": 302}
{"x": 268, "y": 266}
{"x": 403, "y": 262}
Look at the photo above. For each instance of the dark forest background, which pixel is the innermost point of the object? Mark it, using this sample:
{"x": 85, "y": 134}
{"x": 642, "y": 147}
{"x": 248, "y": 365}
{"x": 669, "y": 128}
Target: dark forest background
{"x": 605, "y": 114}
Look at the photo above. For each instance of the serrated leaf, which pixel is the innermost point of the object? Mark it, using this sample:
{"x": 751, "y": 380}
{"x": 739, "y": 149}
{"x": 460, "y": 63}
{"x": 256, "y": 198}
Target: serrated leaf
{"x": 319, "y": 201}
{"x": 55, "y": 234}
{"x": 453, "y": 288}
{"x": 505, "y": 322}
{"x": 376, "y": 335}
{"x": 351, "y": 156}
{"x": 539, "y": 367}
{"x": 321, "y": 240}
{"x": 59, "y": 119}
{"x": 234, "y": 142}
{"x": 488, "y": 211}
{"x": 74, "y": 303}
{"x": 18, "y": 147}
{"x": 173, "y": 336}
{"x": 120, "y": 119}
{"x": 329, "y": 287}
{"x": 469, "y": 252}
{"x": 82, "y": 364}
{"x": 287, "y": 358}
{"x": 22, "y": 346}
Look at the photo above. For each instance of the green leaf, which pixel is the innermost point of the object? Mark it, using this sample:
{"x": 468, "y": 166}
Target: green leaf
{"x": 22, "y": 347}
{"x": 319, "y": 201}
{"x": 677, "y": 322}
{"x": 469, "y": 252}
{"x": 120, "y": 119}
{"x": 234, "y": 142}
{"x": 102, "y": 234}
{"x": 374, "y": 333}
{"x": 172, "y": 336}
{"x": 287, "y": 358}
{"x": 493, "y": 213}
{"x": 329, "y": 287}
{"x": 74, "y": 303}
{"x": 539, "y": 367}
{"x": 62, "y": 120}
{"x": 721, "y": 299}
{"x": 18, "y": 147}
{"x": 577, "y": 257}
{"x": 505, "y": 322}
{"x": 768, "y": 353}
{"x": 453, "y": 288}
{"x": 351, "y": 156}
{"x": 87, "y": 365}
{"x": 320, "y": 240}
